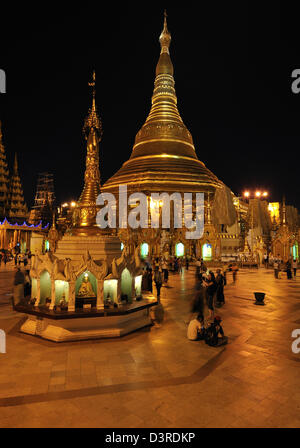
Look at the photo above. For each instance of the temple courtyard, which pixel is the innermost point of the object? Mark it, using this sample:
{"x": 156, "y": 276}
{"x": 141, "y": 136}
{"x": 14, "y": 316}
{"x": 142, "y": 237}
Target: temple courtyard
{"x": 157, "y": 378}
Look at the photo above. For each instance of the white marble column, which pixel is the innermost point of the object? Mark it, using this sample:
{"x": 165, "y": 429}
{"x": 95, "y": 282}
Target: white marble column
{"x": 71, "y": 303}
{"x": 52, "y": 304}
{"x": 100, "y": 298}
{"x": 38, "y": 292}
{"x": 119, "y": 292}
{"x": 133, "y": 295}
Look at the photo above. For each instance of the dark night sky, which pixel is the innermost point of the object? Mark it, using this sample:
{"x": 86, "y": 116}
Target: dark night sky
{"x": 232, "y": 61}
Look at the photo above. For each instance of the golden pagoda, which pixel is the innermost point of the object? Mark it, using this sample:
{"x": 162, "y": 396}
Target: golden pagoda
{"x": 163, "y": 156}
{"x": 86, "y": 209}
{"x": 17, "y": 207}
{"x": 4, "y": 178}
{"x": 164, "y": 159}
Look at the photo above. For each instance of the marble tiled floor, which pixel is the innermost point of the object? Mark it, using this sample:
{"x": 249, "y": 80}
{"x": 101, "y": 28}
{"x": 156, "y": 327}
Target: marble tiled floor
{"x": 157, "y": 378}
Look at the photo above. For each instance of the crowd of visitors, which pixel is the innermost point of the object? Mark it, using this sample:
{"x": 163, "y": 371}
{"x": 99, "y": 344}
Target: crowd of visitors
{"x": 289, "y": 267}
{"x": 157, "y": 270}
{"x": 16, "y": 256}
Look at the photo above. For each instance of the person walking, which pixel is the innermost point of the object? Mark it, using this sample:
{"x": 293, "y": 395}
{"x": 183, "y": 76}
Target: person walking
{"x": 149, "y": 280}
{"x": 276, "y": 267}
{"x": 203, "y": 265}
{"x": 5, "y": 258}
{"x": 295, "y": 266}
{"x": 220, "y": 280}
{"x": 234, "y": 270}
{"x": 19, "y": 281}
{"x": 187, "y": 263}
{"x": 211, "y": 287}
{"x": 165, "y": 270}
{"x": 198, "y": 267}
{"x": 158, "y": 281}
{"x": 27, "y": 284}
{"x": 176, "y": 264}
{"x": 288, "y": 268}
{"x": 197, "y": 305}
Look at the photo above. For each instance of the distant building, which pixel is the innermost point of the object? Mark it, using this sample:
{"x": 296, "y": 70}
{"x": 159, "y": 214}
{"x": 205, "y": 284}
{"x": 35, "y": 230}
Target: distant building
{"x": 15, "y": 233}
{"x": 44, "y": 202}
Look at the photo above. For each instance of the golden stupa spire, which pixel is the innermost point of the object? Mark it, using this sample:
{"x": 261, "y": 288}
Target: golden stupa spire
{"x": 16, "y": 163}
{"x": 283, "y": 212}
{"x": 164, "y": 131}
{"x": 93, "y": 120}
{"x": 86, "y": 210}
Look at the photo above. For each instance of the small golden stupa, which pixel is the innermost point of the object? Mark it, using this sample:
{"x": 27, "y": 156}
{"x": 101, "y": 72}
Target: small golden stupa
{"x": 86, "y": 209}
{"x": 163, "y": 156}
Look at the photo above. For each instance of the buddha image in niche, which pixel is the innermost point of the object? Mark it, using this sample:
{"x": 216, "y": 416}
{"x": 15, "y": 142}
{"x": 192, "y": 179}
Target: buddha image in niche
{"x": 86, "y": 289}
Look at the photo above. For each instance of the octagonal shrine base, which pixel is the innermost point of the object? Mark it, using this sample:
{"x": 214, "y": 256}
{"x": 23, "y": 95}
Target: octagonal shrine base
{"x": 83, "y": 325}
{"x": 87, "y": 289}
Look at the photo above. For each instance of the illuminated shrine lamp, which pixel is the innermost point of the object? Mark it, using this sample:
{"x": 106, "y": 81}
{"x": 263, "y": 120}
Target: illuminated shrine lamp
{"x": 179, "y": 250}
{"x": 265, "y": 194}
{"x": 258, "y": 194}
{"x": 246, "y": 194}
{"x": 73, "y": 204}
{"x": 144, "y": 250}
{"x": 65, "y": 204}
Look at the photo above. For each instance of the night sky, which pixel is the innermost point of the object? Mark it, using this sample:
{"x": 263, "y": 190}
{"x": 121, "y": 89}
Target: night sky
{"x": 233, "y": 63}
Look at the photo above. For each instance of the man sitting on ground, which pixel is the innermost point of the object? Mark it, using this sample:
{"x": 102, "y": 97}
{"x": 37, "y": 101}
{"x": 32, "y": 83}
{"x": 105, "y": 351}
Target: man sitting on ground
{"x": 195, "y": 329}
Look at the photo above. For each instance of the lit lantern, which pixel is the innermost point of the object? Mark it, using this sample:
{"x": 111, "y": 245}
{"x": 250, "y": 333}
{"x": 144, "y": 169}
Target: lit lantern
{"x": 144, "y": 250}
{"x": 207, "y": 252}
{"x": 179, "y": 250}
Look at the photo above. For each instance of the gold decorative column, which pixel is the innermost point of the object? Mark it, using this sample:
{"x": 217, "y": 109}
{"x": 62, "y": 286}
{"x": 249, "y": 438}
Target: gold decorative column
{"x": 86, "y": 210}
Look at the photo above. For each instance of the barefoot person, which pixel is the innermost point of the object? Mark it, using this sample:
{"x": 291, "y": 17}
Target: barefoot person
{"x": 19, "y": 281}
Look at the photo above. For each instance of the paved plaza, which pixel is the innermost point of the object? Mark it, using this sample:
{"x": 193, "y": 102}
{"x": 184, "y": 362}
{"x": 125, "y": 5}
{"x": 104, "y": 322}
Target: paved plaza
{"x": 156, "y": 377}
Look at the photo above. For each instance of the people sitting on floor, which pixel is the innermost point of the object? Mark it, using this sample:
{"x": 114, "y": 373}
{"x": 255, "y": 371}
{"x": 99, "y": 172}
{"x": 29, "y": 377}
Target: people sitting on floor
{"x": 213, "y": 331}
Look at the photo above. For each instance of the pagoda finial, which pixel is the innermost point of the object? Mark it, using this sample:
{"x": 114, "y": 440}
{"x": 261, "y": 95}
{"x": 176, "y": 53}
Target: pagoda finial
{"x": 93, "y": 85}
{"x": 93, "y": 120}
{"x": 165, "y": 37}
